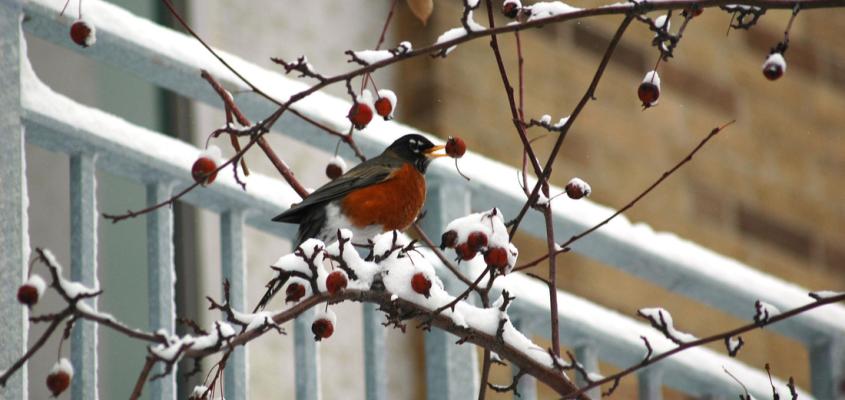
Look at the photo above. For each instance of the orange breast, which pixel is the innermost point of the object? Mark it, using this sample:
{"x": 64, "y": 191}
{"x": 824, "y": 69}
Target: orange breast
{"x": 393, "y": 203}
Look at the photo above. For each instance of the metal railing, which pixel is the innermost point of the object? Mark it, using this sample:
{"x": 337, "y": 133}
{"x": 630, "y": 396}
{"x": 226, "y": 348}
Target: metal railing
{"x": 94, "y": 139}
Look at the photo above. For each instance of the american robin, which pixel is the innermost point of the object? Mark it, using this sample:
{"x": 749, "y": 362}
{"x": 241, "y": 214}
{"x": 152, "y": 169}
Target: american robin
{"x": 381, "y": 194}
{"x": 378, "y": 195}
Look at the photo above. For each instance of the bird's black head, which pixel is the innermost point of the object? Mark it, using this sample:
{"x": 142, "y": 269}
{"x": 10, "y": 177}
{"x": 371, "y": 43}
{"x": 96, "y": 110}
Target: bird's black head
{"x": 415, "y": 149}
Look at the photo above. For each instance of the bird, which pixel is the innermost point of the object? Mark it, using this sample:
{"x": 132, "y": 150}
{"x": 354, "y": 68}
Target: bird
{"x": 381, "y": 194}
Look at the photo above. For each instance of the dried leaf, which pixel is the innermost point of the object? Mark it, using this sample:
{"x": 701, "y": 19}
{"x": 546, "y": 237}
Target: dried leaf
{"x": 421, "y": 9}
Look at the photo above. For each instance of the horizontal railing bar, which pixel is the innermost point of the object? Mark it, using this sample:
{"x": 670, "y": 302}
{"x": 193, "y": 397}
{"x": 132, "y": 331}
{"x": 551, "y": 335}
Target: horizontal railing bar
{"x": 57, "y": 123}
{"x": 616, "y": 339}
{"x": 173, "y": 60}
{"x": 141, "y": 154}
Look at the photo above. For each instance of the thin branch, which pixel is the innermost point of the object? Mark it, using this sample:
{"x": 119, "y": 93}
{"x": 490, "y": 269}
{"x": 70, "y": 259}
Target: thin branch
{"x": 142, "y": 378}
{"x": 713, "y": 338}
{"x": 35, "y": 347}
{"x": 564, "y": 247}
{"x": 542, "y": 179}
{"x": 445, "y": 260}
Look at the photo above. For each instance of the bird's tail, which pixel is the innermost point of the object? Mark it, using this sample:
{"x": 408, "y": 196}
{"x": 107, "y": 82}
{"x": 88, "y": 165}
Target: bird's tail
{"x": 273, "y": 287}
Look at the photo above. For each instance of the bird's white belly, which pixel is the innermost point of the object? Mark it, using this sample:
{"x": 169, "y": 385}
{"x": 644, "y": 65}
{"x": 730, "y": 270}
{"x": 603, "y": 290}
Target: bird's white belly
{"x": 335, "y": 220}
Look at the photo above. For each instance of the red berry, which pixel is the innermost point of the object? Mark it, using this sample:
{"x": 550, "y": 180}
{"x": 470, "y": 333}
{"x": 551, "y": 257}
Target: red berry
{"x": 421, "y": 284}
{"x": 476, "y": 240}
{"x": 774, "y": 67}
{"x": 497, "y": 257}
{"x": 648, "y": 93}
{"x": 360, "y": 115}
{"x": 449, "y": 239}
{"x": 322, "y": 329}
{"x": 58, "y": 382}
{"x": 333, "y": 171}
{"x": 510, "y": 9}
{"x": 204, "y": 170}
{"x": 465, "y": 252}
{"x": 336, "y": 281}
{"x": 455, "y": 147}
{"x": 576, "y": 189}
{"x": 81, "y": 33}
{"x": 28, "y": 294}
{"x": 294, "y": 292}
{"x": 384, "y": 107}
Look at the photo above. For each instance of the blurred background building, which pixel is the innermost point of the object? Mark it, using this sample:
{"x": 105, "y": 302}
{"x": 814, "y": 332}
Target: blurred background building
{"x": 768, "y": 191}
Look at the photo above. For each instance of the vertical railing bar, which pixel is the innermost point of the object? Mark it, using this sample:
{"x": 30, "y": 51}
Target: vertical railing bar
{"x": 83, "y": 269}
{"x": 527, "y": 385}
{"x": 306, "y": 358}
{"x": 233, "y": 265}
{"x": 374, "y": 354}
{"x": 161, "y": 277}
{"x": 650, "y": 384}
{"x": 827, "y": 367}
{"x": 451, "y": 369}
{"x": 587, "y": 354}
{"x": 14, "y": 239}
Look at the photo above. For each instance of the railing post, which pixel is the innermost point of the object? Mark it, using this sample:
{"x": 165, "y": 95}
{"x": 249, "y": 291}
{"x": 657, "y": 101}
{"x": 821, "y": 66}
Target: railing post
{"x": 374, "y": 354}
{"x": 827, "y": 368}
{"x": 14, "y": 242}
{"x": 451, "y": 369}
{"x": 233, "y": 269}
{"x": 527, "y": 385}
{"x": 306, "y": 358}
{"x": 650, "y": 382}
{"x": 588, "y": 357}
{"x": 83, "y": 269}
{"x": 161, "y": 277}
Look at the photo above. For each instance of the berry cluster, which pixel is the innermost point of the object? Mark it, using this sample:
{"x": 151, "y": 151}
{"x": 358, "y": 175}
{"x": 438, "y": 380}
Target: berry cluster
{"x": 361, "y": 112}
{"x": 481, "y": 233}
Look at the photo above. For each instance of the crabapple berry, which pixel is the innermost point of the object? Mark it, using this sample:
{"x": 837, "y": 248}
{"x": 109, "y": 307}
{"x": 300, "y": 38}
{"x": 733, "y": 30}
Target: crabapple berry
{"x": 82, "y": 34}
{"x": 204, "y": 170}
{"x": 476, "y": 240}
{"x": 497, "y": 257}
{"x": 31, "y": 290}
{"x": 449, "y": 239}
{"x": 455, "y": 147}
{"x": 421, "y": 284}
{"x": 322, "y": 329}
{"x": 577, "y": 188}
{"x": 465, "y": 252}
{"x": 774, "y": 67}
{"x": 294, "y": 292}
{"x": 336, "y": 281}
{"x": 360, "y": 115}
{"x": 511, "y": 8}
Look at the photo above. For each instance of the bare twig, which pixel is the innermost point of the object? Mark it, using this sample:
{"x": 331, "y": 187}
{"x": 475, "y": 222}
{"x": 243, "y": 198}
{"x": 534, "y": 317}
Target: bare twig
{"x": 564, "y": 247}
{"x": 142, "y": 378}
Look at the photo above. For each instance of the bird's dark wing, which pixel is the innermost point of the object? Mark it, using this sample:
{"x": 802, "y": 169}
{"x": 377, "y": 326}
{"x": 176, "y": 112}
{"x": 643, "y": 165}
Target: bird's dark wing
{"x": 362, "y": 175}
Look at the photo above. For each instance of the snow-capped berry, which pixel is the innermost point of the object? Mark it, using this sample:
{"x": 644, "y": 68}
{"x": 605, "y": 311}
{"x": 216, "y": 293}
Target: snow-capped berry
{"x": 774, "y": 67}
{"x": 31, "y": 290}
{"x": 335, "y": 168}
{"x": 448, "y": 239}
{"x": 82, "y": 33}
{"x": 577, "y": 188}
{"x": 497, "y": 257}
{"x": 384, "y": 108}
{"x": 386, "y": 104}
{"x": 204, "y": 170}
{"x": 336, "y": 281}
{"x": 322, "y": 328}
{"x": 455, "y": 147}
{"x": 649, "y": 90}
{"x": 510, "y": 8}
{"x": 59, "y": 378}
{"x": 360, "y": 115}
{"x": 476, "y": 241}
{"x": 421, "y": 284}
{"x": 465, "y": 252}
{"x": 294, "y": 292}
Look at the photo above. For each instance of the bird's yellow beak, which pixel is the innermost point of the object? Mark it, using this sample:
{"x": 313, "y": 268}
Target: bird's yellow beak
{"x": 430, "y": 152}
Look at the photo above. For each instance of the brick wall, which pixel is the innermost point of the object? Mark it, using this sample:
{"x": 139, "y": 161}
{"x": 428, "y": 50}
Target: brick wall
{"x": 768, "y": 191}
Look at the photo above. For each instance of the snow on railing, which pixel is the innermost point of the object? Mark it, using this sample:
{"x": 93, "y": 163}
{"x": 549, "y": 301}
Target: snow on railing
{"x": 172, "y": 60}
